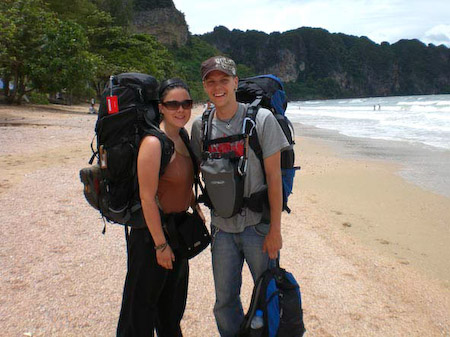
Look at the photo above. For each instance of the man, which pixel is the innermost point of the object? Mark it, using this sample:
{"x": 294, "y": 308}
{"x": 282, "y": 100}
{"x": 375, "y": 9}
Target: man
{"x": 247, "y": 235}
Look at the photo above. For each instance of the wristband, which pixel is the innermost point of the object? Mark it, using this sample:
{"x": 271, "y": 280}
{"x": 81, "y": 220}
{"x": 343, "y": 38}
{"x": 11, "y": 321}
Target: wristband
{"x": 161, "y": 247}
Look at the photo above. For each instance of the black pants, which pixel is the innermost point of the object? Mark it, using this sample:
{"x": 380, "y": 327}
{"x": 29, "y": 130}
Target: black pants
{"x": 153, "y": 297}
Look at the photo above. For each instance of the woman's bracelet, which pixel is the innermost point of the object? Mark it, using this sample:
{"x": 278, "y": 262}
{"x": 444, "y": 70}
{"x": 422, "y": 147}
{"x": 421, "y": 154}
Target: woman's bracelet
{"x": 161, "y": 247}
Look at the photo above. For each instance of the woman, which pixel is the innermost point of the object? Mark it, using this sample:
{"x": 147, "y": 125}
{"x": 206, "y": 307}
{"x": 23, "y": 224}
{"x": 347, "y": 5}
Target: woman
{"x": 156, "y": 285}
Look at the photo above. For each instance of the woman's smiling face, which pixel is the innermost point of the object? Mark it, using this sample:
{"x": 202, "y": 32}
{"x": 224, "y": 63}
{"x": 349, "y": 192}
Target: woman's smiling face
{"x": 174, "y": 113}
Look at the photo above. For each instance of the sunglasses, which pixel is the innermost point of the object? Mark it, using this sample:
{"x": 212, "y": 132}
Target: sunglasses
{"x": 175, "y": 105}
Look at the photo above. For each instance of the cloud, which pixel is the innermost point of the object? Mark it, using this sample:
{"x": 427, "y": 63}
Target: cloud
{"x": 437, "y": 35}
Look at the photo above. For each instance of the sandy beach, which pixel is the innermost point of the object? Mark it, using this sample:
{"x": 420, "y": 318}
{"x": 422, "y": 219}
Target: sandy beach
{"x": 369, "y": 248}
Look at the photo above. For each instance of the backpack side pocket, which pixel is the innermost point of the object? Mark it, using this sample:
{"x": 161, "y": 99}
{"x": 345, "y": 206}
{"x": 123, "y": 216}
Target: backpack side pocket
{"x": 120, "y": 178}
{"x": 91, "y": 179}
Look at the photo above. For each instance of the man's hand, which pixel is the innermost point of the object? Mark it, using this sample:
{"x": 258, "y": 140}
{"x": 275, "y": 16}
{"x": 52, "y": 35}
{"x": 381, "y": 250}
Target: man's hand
{"x": 273, "y": 243}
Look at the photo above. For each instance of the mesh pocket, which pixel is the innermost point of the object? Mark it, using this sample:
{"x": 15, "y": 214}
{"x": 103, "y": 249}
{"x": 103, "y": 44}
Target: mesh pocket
{"x": 120, "y": 194}
{"x": 121, "y": 181}
{"x": 121, "y": 161}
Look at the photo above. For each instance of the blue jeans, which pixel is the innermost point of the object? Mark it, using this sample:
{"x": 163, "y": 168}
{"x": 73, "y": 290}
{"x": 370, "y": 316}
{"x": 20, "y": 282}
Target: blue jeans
{"x": 229, "y": 250}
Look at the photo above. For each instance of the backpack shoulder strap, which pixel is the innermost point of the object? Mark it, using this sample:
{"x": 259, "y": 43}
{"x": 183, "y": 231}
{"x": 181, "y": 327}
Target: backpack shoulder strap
{"x": 167, "y": 146}
{"x": 252, "y": 111}
{"x": 185, "y": 137}
{"x": 207, "y": 117}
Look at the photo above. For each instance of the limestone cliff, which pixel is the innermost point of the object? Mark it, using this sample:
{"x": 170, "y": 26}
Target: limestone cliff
{"x": 315, "y": 63}
{"x": 161, "y": 19}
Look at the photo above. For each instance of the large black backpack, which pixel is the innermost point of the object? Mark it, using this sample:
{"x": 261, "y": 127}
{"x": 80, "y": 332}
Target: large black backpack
{"x": 111, "y": 185}
{"x": 267, "y": 91}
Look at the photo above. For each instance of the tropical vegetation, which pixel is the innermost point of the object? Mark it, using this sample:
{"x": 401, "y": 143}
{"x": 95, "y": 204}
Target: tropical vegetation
{"x": 71, "y": 47}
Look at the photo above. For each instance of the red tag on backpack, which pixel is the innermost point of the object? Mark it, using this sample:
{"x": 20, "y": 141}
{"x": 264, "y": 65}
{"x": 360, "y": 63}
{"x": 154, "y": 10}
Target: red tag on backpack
{"x": 113, "y": 104}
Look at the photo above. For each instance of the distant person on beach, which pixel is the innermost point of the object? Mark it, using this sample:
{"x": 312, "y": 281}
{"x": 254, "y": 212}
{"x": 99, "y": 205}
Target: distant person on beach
{"x": 92, "y": 107}
{"x": 155, "y": 291}
{"x": 249, "y": 236}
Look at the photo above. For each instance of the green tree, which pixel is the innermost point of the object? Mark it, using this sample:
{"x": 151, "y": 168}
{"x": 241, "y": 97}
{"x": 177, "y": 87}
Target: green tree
{"x": 103, "y": 35}
{"x": 41, "y": 51}
{"x": 120, "y": 10}
{"x": 119, "y": 51}
{"x": 74, "y": 10}
{"x": 188, "y": 60}
{"x": 135, "y": 53}
{"x": 65, "y": 63}
{"x": 23, "y": 26}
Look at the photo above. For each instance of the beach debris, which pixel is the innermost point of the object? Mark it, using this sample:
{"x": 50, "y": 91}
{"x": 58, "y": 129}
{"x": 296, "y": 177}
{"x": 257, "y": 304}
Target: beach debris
{"x": 347, "y": 224}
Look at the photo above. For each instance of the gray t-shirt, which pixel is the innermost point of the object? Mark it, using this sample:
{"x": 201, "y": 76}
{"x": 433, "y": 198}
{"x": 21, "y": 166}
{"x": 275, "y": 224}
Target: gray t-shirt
{"x": 271, "y": 139}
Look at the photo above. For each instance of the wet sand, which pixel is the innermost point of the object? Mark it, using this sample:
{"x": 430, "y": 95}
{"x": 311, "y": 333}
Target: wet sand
{"x": 383, "y": 194}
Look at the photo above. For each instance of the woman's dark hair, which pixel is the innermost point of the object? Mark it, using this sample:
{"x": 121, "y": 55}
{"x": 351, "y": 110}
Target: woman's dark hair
{"x": 170, "y": 84}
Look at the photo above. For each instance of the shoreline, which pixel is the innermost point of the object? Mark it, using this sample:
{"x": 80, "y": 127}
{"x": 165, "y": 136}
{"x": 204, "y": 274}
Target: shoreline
{"x": 364, "y": 189}
{"x": 61, "y": 277}
{"x": 422, "y": 165}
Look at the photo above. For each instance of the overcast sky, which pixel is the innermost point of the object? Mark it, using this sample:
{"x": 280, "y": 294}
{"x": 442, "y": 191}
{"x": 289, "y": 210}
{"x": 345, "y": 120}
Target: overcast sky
{"x": 379, "y": 20}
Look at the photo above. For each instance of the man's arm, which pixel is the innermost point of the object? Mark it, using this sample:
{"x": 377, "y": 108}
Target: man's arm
{"x": 273, "y": 241}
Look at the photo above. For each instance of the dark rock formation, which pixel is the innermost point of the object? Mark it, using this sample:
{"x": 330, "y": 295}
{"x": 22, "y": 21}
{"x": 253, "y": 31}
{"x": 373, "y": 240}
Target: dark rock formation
{"x": 161, "y": 19}
{"x": 314, "y": 61}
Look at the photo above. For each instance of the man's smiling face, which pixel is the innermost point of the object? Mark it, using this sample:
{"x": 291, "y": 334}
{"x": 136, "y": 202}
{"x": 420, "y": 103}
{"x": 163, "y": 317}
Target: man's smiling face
{"x": 220, "y": 88}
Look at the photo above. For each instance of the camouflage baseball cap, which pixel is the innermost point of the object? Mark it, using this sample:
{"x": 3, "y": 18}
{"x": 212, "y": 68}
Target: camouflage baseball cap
{"x": 220, "y": 63}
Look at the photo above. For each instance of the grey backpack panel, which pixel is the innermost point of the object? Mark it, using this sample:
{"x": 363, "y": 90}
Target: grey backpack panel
{"x": 224, "y": 185}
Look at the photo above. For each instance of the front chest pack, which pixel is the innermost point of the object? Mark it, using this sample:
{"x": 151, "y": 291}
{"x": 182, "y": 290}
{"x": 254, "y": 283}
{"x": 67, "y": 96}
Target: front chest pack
{"x": 223, "y": 167}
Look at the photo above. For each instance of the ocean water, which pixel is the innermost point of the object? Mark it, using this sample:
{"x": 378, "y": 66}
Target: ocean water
{"x": 414, "y": 119}
{"x": 413, "y": 131}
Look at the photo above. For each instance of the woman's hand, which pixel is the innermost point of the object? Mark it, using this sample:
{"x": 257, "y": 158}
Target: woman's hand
{"x": 165, "y": 257}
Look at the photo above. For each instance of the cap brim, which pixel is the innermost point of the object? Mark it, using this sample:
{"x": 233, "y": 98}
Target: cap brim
{"x": 221, "y": 70}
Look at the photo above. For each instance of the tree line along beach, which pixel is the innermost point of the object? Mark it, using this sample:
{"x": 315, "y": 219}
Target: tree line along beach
{"x": 369, "y": 248}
